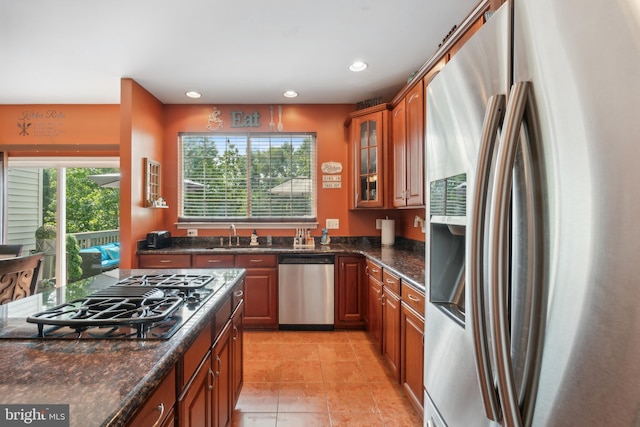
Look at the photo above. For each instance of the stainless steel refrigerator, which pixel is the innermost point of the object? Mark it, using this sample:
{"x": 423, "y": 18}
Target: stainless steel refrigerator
{"x": 533, "y": 247}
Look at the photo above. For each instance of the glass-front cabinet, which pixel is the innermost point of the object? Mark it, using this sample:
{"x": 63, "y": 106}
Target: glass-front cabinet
{"x": 370, "y": 158}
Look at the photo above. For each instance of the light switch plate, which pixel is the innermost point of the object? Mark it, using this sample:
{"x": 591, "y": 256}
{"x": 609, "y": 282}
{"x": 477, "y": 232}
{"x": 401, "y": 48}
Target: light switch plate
{"x": 192, "y": 232}
{"x": 378, "y": 224}
{"x": 333, "y": 224}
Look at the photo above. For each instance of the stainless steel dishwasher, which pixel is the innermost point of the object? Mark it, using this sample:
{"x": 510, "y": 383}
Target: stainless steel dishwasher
{"x": 305, "y": 291}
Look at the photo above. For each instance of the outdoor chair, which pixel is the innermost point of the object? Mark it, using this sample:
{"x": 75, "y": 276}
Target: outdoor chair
{"x": 19, "y": 277}
{"x": 10, "y": 251}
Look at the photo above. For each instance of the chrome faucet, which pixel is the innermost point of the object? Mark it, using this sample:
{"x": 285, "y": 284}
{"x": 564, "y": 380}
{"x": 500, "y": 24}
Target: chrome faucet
{"x": 232, "y": 228}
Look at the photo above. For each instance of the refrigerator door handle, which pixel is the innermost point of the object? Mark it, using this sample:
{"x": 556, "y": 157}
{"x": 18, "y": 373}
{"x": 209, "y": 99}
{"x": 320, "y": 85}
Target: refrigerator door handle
{"x": 492, "y": 120}
{"x": 499, "y": 253}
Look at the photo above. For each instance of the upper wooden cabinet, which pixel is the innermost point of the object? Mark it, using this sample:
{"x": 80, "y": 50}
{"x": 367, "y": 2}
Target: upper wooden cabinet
{"x": 408, "y": 149}
{"x": 399, "y": 143}
{"x": 369, "y": 139}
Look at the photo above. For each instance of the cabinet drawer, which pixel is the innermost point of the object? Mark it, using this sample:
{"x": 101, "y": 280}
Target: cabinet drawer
{"x": 159, "y": 405}
{"x": 413, "y": 298}
{"x": 374, "y": 270}
{"x": 164, "y": 261}
{"x": 256, "y": 261}
{"x": 214, "y": 261}
{"x": 391, "y": 281}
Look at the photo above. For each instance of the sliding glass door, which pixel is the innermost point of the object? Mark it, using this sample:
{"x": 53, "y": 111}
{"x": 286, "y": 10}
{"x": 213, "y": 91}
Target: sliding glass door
{"x": 51, "y": 197}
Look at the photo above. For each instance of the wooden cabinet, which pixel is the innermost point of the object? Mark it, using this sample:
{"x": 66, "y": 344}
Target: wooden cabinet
{"x": 399, "y": 144}
{"x": 375, "y": 312}
{"x": 158, "y": 409}
{"x": 408, "y": 149}
{"x": 222, "y": 391}
{"x": 349, "y": 291}
{"x": 164, "y": 261}
{"x": 261, "y": 290}
{"x": 391, "y": 330}
{"x": 211, "y": 370}
{"x": 412, "y": 355}
{"x": 195, "y": 404}
{"x": 237, "y": 348}
{"x": 415, "y": 101}
{"x": 370, "y": 128}
{"x": 213, "y": 261}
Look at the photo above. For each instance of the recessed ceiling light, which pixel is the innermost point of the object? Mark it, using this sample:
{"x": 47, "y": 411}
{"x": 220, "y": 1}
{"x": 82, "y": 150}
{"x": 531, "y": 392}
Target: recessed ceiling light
{"x": 193, "y": 94}
{"x": 290, "y": 94}
{"x": 358, "y": 66}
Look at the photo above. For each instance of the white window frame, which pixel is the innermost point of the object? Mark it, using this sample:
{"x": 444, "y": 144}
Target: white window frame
{"x": 249, "y": 222}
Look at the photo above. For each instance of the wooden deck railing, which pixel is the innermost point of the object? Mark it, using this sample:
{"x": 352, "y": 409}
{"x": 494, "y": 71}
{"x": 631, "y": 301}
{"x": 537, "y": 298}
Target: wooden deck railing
{"x": 94, "y": 238}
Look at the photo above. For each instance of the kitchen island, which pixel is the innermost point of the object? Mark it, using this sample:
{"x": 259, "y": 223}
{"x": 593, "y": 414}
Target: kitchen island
{"x": 104, "y": 381}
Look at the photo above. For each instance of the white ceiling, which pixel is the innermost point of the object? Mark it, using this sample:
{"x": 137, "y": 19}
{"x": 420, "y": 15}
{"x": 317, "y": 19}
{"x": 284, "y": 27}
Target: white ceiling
{"x": 245, "y": 52}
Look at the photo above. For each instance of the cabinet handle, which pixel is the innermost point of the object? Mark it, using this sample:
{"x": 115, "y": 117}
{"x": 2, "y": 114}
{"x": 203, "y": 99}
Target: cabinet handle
{"x": 238, "y": 293}
{"x": 213, "y": 379}
{"x": 255, "y": 260}
{"x": 235, "y": 332}
{"x": 382, "y": 298}
{"x": 375, "y": 270}
{"x": 214, "y": 261}
{"x": 219, "y": 365}
{"x": 412, "y": 298}
{"x": 165, "y": 261}
{"x": 391, "y": 281}
{"x": 159, "y": 420}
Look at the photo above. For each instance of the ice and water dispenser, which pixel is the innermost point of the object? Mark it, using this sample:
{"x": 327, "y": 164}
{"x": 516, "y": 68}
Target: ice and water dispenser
{"x": 448, "y": 220}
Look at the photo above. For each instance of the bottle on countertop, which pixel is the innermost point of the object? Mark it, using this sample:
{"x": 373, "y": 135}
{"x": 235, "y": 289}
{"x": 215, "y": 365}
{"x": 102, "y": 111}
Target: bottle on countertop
{"x": 254, "y": 238}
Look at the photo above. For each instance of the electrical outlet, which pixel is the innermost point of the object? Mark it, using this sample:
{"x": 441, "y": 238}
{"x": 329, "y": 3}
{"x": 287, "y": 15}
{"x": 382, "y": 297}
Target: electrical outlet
{"x": 378, "y": 224}
{"x": 333, "y": 224}
{"x": 192, "y": 232}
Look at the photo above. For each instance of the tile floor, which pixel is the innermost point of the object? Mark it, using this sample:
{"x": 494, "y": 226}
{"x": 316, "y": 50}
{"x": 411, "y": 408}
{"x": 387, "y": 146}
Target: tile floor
{"x": 318, "y": 379}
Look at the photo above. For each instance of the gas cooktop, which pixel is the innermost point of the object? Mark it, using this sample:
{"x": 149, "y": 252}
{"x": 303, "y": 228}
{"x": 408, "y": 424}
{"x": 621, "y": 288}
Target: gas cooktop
{"x": 137, "y": 307}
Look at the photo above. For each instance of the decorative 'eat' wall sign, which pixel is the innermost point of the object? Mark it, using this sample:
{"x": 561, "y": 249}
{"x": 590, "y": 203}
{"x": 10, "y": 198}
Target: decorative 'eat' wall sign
{"x": 239, "y": 119}
{"x": 242, "y": 120}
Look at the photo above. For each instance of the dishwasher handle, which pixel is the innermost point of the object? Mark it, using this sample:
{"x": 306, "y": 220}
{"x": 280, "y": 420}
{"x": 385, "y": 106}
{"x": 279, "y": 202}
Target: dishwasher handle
{"x": 306, "y": 259}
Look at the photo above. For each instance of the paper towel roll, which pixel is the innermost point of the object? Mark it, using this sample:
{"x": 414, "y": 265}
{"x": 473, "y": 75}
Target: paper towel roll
{"x": 388, "y": 232}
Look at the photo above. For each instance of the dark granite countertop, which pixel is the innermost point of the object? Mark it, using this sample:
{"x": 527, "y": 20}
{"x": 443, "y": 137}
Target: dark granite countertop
{"x": 406, "y": 258}
{"x": 103, "y": 381}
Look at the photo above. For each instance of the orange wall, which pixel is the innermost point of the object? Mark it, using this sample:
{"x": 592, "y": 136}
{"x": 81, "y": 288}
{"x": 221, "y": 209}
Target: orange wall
{"x": 141, "y": 137}
{"x": 60, "y": 129}
{"x": 332, "y": 137}
{"x": 142, "y": 127}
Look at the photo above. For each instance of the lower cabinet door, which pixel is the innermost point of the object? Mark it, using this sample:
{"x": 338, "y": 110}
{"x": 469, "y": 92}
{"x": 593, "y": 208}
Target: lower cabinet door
{"x": 391, "y": 331}
{"x": 237, "y": 349}
{"x": 261, "y": 298}
{"x": 375, "y": 312}
{"x": 195, "y": 405}
{"x": 222, "y": 393}
{"x": 412, "y": 356}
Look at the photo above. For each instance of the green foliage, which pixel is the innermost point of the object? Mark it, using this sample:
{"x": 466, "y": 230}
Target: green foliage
{"x": 237, "y": 182}
{"x": 90, "y": 207}
{"x": 46, "y": 232}
{"x": 74, "y": 260}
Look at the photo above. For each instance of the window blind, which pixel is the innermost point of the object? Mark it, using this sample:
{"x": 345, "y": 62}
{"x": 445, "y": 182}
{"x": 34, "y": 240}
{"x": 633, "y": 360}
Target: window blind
{"x": 248, "y": 176}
